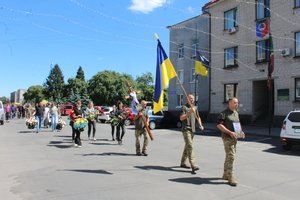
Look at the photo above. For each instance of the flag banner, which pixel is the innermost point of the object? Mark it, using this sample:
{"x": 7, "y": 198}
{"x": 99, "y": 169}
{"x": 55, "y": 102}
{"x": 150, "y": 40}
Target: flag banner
{"x": 201, "y": 64}
{"x": 262, "y": 28}
{"x": 271, "y": 60}
{"x": 164, "y": 73}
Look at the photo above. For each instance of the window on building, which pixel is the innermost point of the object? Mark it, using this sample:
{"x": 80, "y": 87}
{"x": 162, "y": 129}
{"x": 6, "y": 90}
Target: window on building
{"x": 262, "y": 9}
{"x": 297, "y": 89}
{"x": 261, "y": 51}
{"x": 230, "y": 20}
{"x": 297, "y": 3}
{"x": 297, "y": 44}
{"x": 180, "y": 76}
{"x": 194, "y": 49}
{"x": 181, "y": 52}
{"x": 193, "y": 75}
{"x": 230, "y": 91}
{"x": 231, "y": 57}
{"x": 283, "y": 94}
{"x": 179, "y": 100}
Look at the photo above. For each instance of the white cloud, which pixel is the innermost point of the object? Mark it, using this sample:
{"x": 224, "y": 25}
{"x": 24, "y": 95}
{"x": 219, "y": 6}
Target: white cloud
{"x": 191, "y": 10}
{"x": 146, "y": 6}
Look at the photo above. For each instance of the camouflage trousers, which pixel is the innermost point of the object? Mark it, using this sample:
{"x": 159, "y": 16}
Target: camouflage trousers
{"x": 188, "y": 151}
{"x": 230, "y": 150}
{"x": 138, "y": 134}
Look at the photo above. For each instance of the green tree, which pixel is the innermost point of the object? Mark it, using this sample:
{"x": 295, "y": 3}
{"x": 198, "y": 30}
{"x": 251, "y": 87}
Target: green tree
{"x": 4, "y": 100}
{"x": 34, "y": 94}
{"x": 80, "y": 74}
{"x": 107, "y": 87}
{"x": 146, "y": 86}
{"x": 75, "y": 85}
{"x": 54, "y": 85}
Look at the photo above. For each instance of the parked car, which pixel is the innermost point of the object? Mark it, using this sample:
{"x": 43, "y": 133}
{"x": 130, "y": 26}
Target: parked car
{"x": 65, "y": 109}
{"x": 163, "y": 119}
{"x": 290, "y": 131}
{"x": 2, "y": 114}
{"x": 130, "y": 117}
{"x": 106, "y": 113}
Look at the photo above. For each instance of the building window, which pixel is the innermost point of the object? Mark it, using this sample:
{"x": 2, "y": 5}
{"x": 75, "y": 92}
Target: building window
{"x": 180, "y": 76}
{"x": 283, "y": 94}
{"x": 179, "y": 100}
{"x": 194, "y": 49}
{"x": 261, "y": 51}
{"x": 180, "y": 52}
{"x": 230, "y": 91}
{"x": 297, "y": 89}
{"x": 262, "y": 9}
{"x": 230, "y": 57}
{"x": 193, "y": 75}
{"x": 297, "y": 3}
{"x": 297, "y": 44}
{"x": 230, "y": 19}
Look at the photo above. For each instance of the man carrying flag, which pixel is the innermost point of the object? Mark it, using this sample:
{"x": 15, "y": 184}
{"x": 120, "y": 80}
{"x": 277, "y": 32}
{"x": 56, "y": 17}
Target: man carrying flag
{"x": 164, "y": 73}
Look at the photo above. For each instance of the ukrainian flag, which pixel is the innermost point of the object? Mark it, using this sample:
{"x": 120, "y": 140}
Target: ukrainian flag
{"x": 201, "y": 64}
{"x": 164, "y": 73}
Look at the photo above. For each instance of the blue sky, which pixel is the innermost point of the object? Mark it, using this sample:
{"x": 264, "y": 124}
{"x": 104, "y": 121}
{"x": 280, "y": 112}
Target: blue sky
{"x": 97, "y": 35}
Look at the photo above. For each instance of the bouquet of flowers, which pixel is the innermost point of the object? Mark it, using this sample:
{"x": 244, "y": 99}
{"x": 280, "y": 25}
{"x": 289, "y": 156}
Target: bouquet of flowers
{"x": 114, "y": 121}
{"x": 61, "y": 123}
{"x": 80, "y": 123}
{"x": 31, "y": 123}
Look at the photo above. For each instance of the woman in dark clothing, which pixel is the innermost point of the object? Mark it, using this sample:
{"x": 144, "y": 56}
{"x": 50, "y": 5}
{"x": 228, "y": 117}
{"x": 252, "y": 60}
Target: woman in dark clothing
{"x": 113, "y": 114}
{"x": 76, "y": 113}
{"x": 38, "y": 113}
{"x": 120, "y": 112}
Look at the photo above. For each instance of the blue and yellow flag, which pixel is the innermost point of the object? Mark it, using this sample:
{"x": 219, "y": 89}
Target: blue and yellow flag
{"x": 201, "y": 64}
{"x": 164, "y": 73}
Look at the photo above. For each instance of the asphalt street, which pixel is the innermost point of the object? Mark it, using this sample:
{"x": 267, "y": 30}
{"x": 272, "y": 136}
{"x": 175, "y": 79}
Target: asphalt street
{"x": 45, "y": 165}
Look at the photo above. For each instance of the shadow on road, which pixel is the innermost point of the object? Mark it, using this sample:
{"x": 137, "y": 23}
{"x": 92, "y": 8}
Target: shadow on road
{"x": 59, "y": 144}
{"x": 108, "y": 154}
{"x": 31, "y": 131}
{"x": 102, "y": 143}
{"x": 162, "y": 168}
{"x": 200, "y": 181}
{"x": 97, "y": 171}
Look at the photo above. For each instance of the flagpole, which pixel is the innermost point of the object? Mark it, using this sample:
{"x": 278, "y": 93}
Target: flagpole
{"x": 184, "y": 91}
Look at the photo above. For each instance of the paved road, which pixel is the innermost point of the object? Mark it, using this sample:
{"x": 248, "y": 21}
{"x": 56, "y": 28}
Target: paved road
{"x": 47, "y": 166}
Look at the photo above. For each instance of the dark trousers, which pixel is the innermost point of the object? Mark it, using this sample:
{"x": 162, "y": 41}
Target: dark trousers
{"x": 112, "y": 132}
{"x": 77, "y": 137}
{"x": 90, "y": 125}
{"x": 120, "y": 126}
{"x": 73, "y": 133}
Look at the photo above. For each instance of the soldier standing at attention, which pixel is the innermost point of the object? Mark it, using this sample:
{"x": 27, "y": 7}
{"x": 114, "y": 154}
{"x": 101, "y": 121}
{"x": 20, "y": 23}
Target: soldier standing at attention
{"x": 228, "y": 120}
{"x": 141, "y": 130}
{"x": 189, "y": 116}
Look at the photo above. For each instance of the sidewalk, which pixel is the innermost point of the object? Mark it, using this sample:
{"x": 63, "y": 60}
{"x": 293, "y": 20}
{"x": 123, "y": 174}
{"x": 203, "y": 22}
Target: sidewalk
{"x": 253, "y": 130}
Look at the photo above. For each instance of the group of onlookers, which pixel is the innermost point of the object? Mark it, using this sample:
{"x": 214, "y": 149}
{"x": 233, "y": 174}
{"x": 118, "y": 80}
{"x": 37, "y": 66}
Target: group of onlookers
{"x": 14, "y": 111}
{"x": 45, "y": 114}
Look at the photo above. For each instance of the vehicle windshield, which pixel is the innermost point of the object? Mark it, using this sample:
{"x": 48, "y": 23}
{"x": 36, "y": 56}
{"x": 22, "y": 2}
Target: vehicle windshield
{"x": 294, "y": 117}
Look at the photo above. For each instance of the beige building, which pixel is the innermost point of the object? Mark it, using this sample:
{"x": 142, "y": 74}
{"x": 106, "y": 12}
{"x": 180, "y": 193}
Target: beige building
{"x": 17, "y": 96}
{"x": 239, "y": 58}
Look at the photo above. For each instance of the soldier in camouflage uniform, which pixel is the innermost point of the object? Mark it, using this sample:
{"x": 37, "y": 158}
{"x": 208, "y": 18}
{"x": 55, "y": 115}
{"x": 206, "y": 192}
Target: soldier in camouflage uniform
{"x": 189, "y": 117}
{"x": 226, "y": 121}
{"x": 140, "y": 130}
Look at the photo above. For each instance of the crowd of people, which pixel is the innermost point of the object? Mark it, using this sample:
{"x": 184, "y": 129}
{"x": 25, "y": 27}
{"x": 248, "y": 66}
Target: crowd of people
{"x": 228, "y": 122}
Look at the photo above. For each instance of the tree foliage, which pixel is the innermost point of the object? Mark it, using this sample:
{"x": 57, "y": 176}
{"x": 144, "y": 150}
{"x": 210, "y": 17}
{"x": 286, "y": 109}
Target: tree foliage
{"x": 4, "y": 100}
{"x": 80, "y": 74}
{"x": 34, "y": 94}
{"x": 107, "y": 87}
{"x": 145, "y": 85}
{"x": 54, "y": 85}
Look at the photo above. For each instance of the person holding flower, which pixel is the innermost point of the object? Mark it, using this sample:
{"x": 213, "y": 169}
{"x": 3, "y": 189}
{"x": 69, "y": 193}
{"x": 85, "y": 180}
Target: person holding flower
{"x": 54, "y": 116}
{"x": 91, "y": 115}
{"x": 76, "y": 114}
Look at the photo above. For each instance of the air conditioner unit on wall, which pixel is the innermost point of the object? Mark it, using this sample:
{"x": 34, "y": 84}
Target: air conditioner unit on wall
{"x": 232, "y": 30}
{"x": 285, "y": 52}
